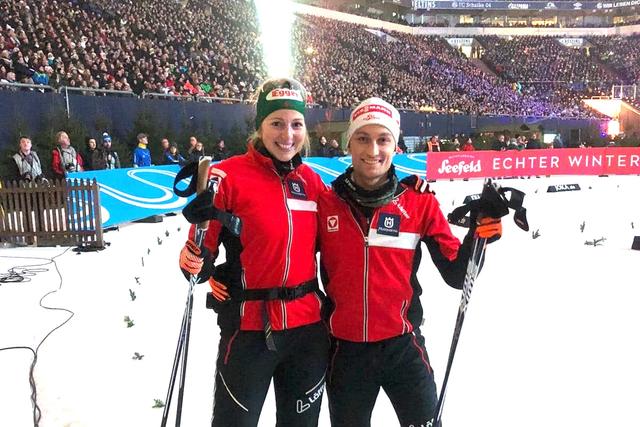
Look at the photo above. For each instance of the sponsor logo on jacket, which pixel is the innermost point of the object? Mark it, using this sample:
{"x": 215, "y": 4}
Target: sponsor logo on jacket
{"x": 389, "y": 224}
{"x": 296, "y": 188}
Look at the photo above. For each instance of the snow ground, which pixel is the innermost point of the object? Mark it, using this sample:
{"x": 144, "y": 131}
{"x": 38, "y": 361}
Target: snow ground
{"x": 549, "y": 338}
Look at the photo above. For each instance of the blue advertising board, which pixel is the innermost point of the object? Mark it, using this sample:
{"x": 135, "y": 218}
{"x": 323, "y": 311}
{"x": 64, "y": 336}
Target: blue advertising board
{"x": 134, "y": 193}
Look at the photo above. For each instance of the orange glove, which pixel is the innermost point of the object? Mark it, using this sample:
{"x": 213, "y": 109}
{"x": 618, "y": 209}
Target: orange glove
{"x": 218, "y": 290}
{"x": 191, "y": 259}
{"x": 489, "y": 228}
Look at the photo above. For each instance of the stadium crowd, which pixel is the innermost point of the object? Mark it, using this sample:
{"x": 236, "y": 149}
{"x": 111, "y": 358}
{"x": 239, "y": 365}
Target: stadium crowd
{"x": 622, "y": 54}
{"x": 342, "y": 63}
{"x": 211, "y": 48}
{"x": 130, "y": 46}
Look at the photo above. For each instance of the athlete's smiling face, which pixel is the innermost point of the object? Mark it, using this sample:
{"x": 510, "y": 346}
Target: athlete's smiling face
{"x": 372, "y": 148}
{"x": 283, "y": 133}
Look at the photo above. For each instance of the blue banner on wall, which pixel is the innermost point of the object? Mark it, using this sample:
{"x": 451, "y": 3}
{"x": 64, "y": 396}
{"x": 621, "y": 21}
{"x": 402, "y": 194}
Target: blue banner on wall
{"x": 330, "y": 168}
{"x": 134, "y": 193}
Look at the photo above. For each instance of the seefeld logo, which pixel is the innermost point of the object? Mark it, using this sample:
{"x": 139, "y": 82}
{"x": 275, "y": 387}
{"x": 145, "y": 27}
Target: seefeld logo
{"x": 284, "y": 94}
{"x": 460, "y": 167}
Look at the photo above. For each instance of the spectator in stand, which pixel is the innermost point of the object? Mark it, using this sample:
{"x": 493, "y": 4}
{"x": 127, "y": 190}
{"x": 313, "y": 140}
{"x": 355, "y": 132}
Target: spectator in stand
{"x": 519, "y": 143}
{"x": 106, "y": 157}
{"x": 193, "y": 141}
{"x": 64, "y": 159}
{"x": 557, "y": 142}
{"x": 220, "y": 152}
{"x": 197, "y": 153}
{"x": 165, "y": 145}
{"x": 434, "y": 143}
{"x": 534, "y": 143}
{"x": 401, "y": 145}
{"x": 468, "y": 145}
{"x": 88, "y": 153}
{"x": 456, "y": 144}
{"x": 141, "y": 155}
{"x": 500, "y": 144}
{"x": 173, "y": 156}
{"x": 27, "y": 163}
{"x": 334, "y": 149}
{"x": 324, "y": 149}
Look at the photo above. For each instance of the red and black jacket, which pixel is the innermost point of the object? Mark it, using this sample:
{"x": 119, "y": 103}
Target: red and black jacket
{"x": 369, "y": 262}
{"x": 276, "y": 247}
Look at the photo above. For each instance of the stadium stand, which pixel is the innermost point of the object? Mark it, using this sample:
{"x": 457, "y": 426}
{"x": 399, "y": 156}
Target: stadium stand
{"x": 210, "y": 48}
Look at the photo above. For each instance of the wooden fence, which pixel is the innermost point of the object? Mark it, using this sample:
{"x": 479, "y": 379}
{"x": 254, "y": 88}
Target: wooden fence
{"x": 51, "y": 213}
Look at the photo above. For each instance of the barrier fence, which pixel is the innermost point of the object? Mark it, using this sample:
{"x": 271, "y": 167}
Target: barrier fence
{"x": 51, "y": 213}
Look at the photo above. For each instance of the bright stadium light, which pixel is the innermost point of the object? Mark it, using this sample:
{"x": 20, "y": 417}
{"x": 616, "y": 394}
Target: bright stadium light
{"x": 275, "y": 18}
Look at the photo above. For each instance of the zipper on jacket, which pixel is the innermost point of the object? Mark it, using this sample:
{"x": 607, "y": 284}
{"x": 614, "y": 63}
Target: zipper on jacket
{"x": 287, "y": 262}
{"x": 365, "y": 279}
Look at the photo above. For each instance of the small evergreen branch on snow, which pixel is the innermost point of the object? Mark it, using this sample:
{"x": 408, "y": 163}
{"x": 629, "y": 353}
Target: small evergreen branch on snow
{"x": 132, "y": 295}
{"x": 178, "y": 229}
{"x": 148, "y": 251}
{"x": 595, "y": 242}
{"x": 157, "y": 403}
{"x": 632, "y": 226}
{"x": 128, "y": 321}
{"x": 159, "y": 241}
{"x": 166, "y": 233}
{"x": 582, "y": 226}
{"x": 142, "y": 258}
{"x": 535, "y": 234}
{"x": 137, "y": 279}
{"x": 137, "y": 356}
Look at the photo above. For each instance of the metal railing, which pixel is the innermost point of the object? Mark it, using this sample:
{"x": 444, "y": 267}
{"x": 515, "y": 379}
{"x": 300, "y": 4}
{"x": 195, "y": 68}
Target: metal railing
{"x": 29, "y": 86}
{"x": 197, "y": 98}
{"x": 87, "y": 91}
{"x": 67, "y": 89}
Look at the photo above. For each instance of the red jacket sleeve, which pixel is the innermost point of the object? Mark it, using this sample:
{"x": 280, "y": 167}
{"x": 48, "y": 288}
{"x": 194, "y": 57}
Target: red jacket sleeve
{"x": 80, "y": 162}
{"x": 448, "y": 255}
{"x": 56, "y": 163}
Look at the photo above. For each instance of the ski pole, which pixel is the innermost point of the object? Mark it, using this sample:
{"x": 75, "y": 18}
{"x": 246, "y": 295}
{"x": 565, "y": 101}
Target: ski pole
{"x": 473, "y": 267}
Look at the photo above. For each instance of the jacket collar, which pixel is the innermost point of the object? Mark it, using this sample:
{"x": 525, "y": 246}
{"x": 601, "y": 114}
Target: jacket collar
{"x": 265, "y": 159}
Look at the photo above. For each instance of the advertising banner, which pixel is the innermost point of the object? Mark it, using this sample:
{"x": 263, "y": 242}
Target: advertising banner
{"x": 566, "y": 161}
{"x": 135, "y": 193}
{"x": 520, "y": 5}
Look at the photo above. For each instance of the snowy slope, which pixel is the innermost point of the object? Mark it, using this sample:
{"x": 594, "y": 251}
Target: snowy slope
{"x": 549, "y": 337}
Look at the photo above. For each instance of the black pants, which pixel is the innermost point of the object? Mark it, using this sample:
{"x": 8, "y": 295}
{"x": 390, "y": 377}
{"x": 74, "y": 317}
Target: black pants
{"x": 399, "y": 365}
{"x": 245, "y": 367}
